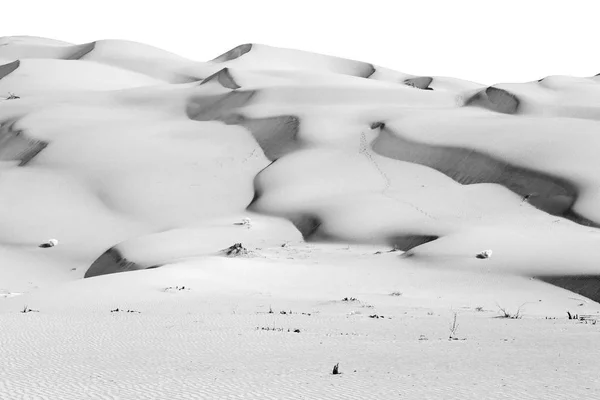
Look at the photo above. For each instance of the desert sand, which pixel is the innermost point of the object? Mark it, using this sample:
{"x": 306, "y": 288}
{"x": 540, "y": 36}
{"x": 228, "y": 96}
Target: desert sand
{"x": 361, "y": 197}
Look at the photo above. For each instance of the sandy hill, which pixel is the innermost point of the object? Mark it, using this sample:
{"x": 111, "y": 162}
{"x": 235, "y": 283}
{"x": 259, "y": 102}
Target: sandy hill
{"x": 339, "y": 177}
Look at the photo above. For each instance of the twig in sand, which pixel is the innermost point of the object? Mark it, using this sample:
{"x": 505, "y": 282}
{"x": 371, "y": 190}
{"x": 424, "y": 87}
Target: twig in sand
{"x": 26, "y": 310}
{"x": 454, "y": 327}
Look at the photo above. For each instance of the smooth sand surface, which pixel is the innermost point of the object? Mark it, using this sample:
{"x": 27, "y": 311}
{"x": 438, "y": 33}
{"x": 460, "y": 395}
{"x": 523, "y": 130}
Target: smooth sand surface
{"x": 355, "y": 181}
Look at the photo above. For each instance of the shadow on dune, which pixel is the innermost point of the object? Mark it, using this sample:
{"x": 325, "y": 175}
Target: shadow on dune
{"x": 494, "y": 99}
{"x": 276, "y": 136}
{"x": 408, "y": 242}
{"x": 16, "y": 146}
{"x": 548, "y": 193}
{"x": 223, "y": 77}
{"x": 234, "y": 53}
{"x": 111, "y": 262}
{"x": 585, "y": 285}
{"x": 421, "y": 82}
{"x": 368, "y": 71}
{"x": 7, "y": 69}
{"x": 307, "y": 224}
{"x": 80, "y": 50}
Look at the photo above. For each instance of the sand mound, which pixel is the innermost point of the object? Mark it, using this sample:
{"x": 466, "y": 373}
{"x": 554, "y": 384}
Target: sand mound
{"x": 258, "y": 56}
{"x": 48, "y": 76}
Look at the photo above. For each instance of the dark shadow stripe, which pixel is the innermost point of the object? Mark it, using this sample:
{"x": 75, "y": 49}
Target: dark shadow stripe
{"x": 9, "y": 68}
{"x": 494, "y": 99}
{"x": 548, "y": 193}
{"x": 421, "y": 82}
{"x": 16, "y": 146}
{"x": 369, "y": 71}
{"x": 224, "y": 78}
{"x": 585, "y": 285}
{"x": 234, "y": 53}
{"x": 307, "y": 224}
{"x": 79, "y": 51}
{"x": 408, "y": 242}
{"x": 275, "y": 135}
{"x": 111, "y": 262}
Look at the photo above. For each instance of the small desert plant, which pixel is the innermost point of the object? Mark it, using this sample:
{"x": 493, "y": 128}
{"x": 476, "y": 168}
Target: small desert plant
{"x": 336, "y": 369}
{"x": 127, "y": 311}
{"x": 505, "y": 313}
{"x": 266, "y": 328}
{"x": 175, "y": 288}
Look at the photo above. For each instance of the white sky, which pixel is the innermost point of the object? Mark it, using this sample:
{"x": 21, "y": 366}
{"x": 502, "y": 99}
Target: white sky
{"x": 483, "y": 41}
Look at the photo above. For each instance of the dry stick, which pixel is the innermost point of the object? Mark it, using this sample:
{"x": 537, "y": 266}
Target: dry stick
{"x": 453, "y": 327}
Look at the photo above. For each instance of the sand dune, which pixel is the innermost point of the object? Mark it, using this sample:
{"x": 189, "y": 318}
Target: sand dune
{"x": 321, "y": 138}
{"x": 340, "y": 177}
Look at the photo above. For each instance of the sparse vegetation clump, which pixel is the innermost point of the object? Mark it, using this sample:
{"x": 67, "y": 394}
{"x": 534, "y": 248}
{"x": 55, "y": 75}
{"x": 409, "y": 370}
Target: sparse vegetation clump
{"x": 584, "y": 318}
{"x": 377, "y": 316}
{"x": 267, "y": 328}
{"x": 176, "y": 288}
{"x": 505, "y": 313}
{"x": 127, "y": 311}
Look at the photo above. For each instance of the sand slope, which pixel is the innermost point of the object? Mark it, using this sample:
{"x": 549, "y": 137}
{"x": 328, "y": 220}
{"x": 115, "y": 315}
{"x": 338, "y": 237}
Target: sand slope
{"x": 357, "y": 180}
